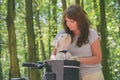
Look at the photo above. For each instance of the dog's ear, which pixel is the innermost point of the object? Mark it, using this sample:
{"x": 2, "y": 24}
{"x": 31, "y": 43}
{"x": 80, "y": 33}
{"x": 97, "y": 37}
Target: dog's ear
{"x": 64, "y": 41}
{"x": 55, "y": 43}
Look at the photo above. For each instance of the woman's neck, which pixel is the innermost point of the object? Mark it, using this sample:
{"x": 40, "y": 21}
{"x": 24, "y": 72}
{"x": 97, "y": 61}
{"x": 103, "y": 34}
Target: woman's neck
{"x": 76, "y": 32}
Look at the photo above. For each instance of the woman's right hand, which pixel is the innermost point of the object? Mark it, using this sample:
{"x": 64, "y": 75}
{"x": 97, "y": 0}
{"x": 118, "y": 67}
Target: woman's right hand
{"x": 52, "y": 57}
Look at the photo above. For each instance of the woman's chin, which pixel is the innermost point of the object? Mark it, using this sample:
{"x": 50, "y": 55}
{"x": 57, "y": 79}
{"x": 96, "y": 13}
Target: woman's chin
{"x": 71, "y": 29}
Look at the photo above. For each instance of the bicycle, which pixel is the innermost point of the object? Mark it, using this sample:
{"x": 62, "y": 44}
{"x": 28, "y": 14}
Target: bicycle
{"x": 49, "y": 75}
{"x": 57, "y": 69}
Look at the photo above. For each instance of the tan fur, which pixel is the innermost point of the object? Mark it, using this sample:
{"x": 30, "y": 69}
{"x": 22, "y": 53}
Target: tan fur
{"x": 62, "y": 43}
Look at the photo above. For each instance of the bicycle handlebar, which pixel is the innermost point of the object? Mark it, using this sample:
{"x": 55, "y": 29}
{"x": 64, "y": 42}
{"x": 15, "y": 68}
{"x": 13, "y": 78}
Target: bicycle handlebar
{"x": 38, "y": 65}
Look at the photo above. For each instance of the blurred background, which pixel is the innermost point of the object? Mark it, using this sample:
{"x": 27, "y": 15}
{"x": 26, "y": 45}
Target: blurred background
{"x": 28, "y": 27}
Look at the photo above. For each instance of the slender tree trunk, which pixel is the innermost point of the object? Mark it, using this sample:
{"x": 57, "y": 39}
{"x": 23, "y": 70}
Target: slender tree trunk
{"x": 54, "y": 3}
{"x": 14, "y": 67}
{"x": 105, "y": 50}
{"x": 49, "y": 37}
{"x": 37, "y": 20}
{"x": 1, "y": 72}
{"x": 77, "y": 2}
{"x": 97, "y": 15}
{"x": 82, "y": 3}
{"x": 53, "y": 29}
{"x": 30, "y": 38}
{"x": 119, "y": 16}
{"x": 40, "y": 40}
{"x": 64, "y": 6}
{"x": 25, "y": 52}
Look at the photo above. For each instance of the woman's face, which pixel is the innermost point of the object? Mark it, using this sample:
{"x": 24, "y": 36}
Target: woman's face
{"x": 72, "y": 24}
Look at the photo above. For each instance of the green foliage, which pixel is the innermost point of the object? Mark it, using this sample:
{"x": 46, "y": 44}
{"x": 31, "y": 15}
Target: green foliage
{"x": 113, "y": 22}
{"x": 47, "y": 22}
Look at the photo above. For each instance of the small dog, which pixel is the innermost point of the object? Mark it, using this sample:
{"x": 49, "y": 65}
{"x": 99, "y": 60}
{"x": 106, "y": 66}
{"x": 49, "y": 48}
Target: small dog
{"x": 62, "y": 44}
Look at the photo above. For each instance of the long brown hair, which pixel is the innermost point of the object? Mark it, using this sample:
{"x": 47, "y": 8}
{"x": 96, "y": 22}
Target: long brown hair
{"x": 76, "y": 13}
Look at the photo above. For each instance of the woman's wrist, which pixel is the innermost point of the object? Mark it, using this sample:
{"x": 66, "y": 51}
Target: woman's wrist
{"x": 53, "y": 57}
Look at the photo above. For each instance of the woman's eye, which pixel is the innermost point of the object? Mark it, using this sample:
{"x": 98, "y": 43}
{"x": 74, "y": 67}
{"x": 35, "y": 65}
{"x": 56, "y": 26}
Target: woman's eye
{"x": 72, "y": 21}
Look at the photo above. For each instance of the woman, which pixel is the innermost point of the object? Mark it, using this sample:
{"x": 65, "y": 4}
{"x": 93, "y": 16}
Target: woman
{"x": 85, "y": 43}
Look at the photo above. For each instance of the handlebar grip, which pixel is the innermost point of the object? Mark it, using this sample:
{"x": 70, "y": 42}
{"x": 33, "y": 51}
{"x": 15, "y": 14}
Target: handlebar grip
{"x": 27, "y": 64}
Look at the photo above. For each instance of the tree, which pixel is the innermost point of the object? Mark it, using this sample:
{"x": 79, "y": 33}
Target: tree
{"x": 38, "y": 24}
{"x": 119, "y": 16}
{"x": 82, "y": 3}
{"x": 103, "y": 32}
{"x": 52, "y": 28}
{"x": 54, "y": 10}
{"x": 77, "y": 2}
{"x": 14, "y": 67}
{"x": 49, "y": 20}
{"x": 39, "y": 37}
{"x": 95, "y": 6}
{"x": 1, "y": 72}
{"x": 64, "y": 6}
{"x": 52, "y": 23}
{"x": 44, "y": 28}
{"x": 30, "y": 38}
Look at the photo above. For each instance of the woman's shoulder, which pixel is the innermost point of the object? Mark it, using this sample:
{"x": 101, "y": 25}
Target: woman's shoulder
{"x": 92, "y": 31}
{"x": 93, "y": 35}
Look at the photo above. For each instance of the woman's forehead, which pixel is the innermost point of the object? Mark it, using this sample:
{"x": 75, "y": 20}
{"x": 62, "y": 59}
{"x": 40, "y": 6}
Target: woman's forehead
{"x": 67, "y": 18}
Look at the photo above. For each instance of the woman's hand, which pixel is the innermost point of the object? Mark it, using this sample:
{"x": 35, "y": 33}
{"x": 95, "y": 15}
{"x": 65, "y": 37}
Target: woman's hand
{"x": 52, "y": 57}
{"x": 96, "y": 56}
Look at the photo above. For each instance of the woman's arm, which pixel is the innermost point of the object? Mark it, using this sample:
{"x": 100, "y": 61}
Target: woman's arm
{"x": 54, "y": 51}
{"x": 52, "y": 57}
{"x": 96, "y": 54}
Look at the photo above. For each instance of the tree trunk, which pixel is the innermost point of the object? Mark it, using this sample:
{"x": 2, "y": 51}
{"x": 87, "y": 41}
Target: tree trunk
{"x": 54, "y": 29}
{"x": 37, "y": 20}
{"x": 30, "y": 38}
{"x": 40, "y": 40}
{"x": 64, "y": 6}
{"x": 105, "y": 50}
{"x": 49, "y": 37}
{"x": 14, "y": 67}
{"x": 77, "y": 2}
{"x": 25, "y": 52}
{"x": 119, "y": 16}
{"x": 97, "y": 15}
{"x": 1, "y": 72}
{"x": 82, "y": 3}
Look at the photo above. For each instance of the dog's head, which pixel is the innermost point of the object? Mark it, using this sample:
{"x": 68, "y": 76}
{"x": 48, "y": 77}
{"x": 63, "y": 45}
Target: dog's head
{"x": 63, "y": 42}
